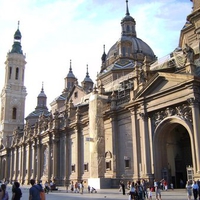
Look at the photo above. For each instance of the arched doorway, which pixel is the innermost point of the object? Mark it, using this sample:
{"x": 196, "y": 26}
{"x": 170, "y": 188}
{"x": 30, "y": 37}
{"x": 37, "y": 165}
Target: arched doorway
{"x": 172, "y": 152}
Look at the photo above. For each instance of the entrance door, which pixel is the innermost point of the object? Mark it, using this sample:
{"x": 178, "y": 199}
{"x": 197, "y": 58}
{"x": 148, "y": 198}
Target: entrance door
{"x": 173, "y": 152}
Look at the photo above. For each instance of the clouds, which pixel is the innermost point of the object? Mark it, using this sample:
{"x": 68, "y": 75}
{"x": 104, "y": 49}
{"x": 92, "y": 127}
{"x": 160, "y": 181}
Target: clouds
{"x": 53, "y": 32}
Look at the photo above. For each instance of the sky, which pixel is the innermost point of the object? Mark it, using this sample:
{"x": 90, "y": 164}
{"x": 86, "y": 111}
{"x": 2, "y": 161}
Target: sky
{"x": 57, "y": 31}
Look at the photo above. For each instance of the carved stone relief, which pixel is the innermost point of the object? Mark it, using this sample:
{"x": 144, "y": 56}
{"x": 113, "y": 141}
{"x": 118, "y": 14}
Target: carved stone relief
{"x": 183, "y": 111}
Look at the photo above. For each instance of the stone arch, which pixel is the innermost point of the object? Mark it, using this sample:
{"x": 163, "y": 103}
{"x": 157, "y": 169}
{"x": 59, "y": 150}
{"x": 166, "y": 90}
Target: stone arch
{"x": 165, "y": 130}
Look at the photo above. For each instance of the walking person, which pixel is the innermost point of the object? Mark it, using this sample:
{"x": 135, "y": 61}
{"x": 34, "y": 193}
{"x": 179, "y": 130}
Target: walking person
{"x": 149, "y": 193}
{"x": 132, "y": 193}
{"x": 16, "y": 191}
{"x": 195, "y": 189}
{"x": 4, "y": 192}
{"x": 81, "y": 187}
{"x": 198, "y": 182}
{"x": 189, "y": 190}
{"x": 34, "y": 191}
{"x": 157, "y": 185}
{"x": 123, "y": 187}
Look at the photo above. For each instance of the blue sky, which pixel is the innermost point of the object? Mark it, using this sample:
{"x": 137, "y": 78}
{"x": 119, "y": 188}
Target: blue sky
{"x": 55, "y": 31}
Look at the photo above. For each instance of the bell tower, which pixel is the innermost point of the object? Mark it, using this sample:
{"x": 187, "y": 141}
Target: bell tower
{"x": 13, "y": 94}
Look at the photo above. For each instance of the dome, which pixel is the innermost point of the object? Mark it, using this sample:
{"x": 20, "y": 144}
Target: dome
{"x": 136, "y": 46}
{"x": 42, "y": 94}
{"x": 17, "y": 35}
{"x": 127, "y": 18}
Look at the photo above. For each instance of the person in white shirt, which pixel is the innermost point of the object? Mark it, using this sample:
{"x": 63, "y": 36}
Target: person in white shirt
{"x": 195, "y": 189}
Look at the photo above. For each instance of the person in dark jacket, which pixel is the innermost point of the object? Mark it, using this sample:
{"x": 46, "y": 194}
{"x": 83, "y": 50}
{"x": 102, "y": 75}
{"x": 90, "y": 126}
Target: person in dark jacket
{"x": 34, "y": 191}
{"x": 16, "y": 191}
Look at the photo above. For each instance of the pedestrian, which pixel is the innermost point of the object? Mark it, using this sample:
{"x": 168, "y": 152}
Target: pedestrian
{"x": 34, "y": 191}
{"x": 132, "y": 193}
{"x": 81, "y": 187}
{"x": 16, "y": 191}
{"x": 123, "y": 187}
{"x": 88, "y": 189}
{"x": 157, "y": 185}
{"x": 172, "y": 186}
{"x": 46, "y": 187}
{"x": 4, "y": 192}
{"x": 195, "y": 189}
{"x": 149, "y": 193}
{"x": 72, "y": 186}
{"x": 189, "y": 190}
{"x": 198, "y": 182}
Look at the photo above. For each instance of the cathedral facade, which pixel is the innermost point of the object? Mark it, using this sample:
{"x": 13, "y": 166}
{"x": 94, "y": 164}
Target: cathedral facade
{"x": 140, "y": 120}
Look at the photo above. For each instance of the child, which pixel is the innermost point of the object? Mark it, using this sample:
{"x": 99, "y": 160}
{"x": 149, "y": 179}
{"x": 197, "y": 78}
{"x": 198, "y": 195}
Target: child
{"x": 172, "y": 186}
{"x": 149, "y": 193}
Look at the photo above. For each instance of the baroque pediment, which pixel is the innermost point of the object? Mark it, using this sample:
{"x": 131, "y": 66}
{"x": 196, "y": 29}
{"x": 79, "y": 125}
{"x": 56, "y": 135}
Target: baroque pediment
{"x": 163, "y": 82}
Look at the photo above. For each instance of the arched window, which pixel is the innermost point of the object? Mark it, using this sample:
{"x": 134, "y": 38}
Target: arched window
{"x": 17, "y": 73}
{"x": 128, "y": 28}
{"x": 14, "y": 113}
{"x": 10, "y": 72}
{"x": 123, "y": 51}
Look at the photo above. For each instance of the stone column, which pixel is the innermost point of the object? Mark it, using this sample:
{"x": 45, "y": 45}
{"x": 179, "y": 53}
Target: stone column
{"x": 23, "y": 163}
{"x": 6, "y": 167}
{"x": 28, "y": 163}
{"x": 39, "y": 157}
{"x": 11, "y": 164}
{"x": 115, "y": 150}
{"x": 33, "y": 161}
{"x": 78, "y": 154}
{"x": 151, "y": 145}
{"x": 135, "y": 162}
{"x": 55, "y": 163}
{"x": 15, "y": 164}
{"x": 67, "y": 168}
{"x": 145, "y": 148}
{"x": 49, "y": 161}
{"x": 196, "y": 131}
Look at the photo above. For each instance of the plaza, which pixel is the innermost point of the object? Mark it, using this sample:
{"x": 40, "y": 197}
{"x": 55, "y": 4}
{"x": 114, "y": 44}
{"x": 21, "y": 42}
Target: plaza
{"x": 101, "y": 194}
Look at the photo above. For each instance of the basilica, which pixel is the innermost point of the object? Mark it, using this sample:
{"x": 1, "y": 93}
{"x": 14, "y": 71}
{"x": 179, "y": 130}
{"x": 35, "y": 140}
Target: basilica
{"x": 140, "y": 120}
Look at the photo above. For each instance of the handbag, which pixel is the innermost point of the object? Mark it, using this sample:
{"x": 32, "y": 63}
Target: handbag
{"x": 42, "y": 195}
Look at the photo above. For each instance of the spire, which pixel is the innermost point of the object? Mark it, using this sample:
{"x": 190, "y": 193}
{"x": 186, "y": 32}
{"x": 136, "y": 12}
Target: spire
{"x": 87, "y": 83}
{"x": 42, "y": 94}
{"x": 70, "y": 68}
{"x": 87, "y": 74}
{"x": 128, "y": 24}
{"x": 127, "y": 10}
{"x": 41, "y": 99}
{"x": 103, "y": 57}
{"x": 87, "y": 77}
{"x": 42, "y": 87}
{"x": 70, "y": 74}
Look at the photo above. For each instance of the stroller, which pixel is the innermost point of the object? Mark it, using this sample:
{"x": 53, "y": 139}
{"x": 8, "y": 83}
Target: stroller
{"x": 93, "y": 190}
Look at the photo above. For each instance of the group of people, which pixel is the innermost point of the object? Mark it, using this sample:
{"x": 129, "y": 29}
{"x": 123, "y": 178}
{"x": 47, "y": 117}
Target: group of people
{"x": 193, "y": 187}
{"x": 136, "y": 190}
{"x": 16, "y": 192}
{"x": 77, "y": 187}
{"x": 141, "y": 189}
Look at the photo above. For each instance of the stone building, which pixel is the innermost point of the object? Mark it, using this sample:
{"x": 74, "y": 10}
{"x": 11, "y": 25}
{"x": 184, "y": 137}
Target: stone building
{"x": 139, "y": 121}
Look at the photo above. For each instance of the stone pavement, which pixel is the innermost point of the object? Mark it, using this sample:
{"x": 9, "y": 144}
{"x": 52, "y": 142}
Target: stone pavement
{"x": 111, "y": 194}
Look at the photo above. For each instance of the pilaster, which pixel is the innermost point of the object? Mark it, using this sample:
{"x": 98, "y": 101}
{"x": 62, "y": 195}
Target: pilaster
{"x": 135, "y": 162}
{"x": 196, "y": 131}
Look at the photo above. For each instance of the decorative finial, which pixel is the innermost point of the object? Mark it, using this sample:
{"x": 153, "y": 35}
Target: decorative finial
{"x": 70, "y": 68}
{"x": 87, "y": 74}
{"x": 127, "y": 10}
{"x": 18, "y": 24}
{"x": 104, "y": 48}
{"x": 42, "y": 86}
